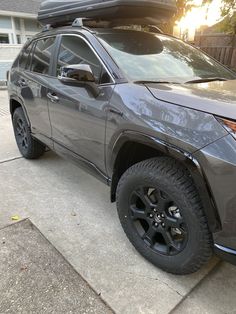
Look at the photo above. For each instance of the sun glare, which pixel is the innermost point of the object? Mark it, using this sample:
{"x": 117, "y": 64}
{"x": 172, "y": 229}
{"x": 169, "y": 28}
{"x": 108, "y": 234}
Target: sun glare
{"x": 198, "y": 16}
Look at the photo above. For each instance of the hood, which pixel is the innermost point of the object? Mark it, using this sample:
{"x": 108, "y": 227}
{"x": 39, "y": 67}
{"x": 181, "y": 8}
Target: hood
{"x": 218, "y": 98}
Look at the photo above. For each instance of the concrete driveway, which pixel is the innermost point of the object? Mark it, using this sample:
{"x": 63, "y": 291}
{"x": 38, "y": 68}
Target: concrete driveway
{"x": 72, "y": 210}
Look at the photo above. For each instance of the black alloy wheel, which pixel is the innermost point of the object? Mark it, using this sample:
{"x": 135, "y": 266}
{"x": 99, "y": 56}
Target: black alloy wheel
{"x": 158, "y": 220}
{"x": 162, "y": 215}
{"x": 21, "y": 134}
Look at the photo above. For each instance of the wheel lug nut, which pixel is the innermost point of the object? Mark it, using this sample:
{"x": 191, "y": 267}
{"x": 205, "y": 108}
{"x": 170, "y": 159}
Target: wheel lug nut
{"x": 159, "y": 216}
{"x": 151, "y": 215}
{"x": 156, "y": 224}
{"x": 163, "y": 225}
{"x": 155, "y": 210}
{"x": 162, "y": 215}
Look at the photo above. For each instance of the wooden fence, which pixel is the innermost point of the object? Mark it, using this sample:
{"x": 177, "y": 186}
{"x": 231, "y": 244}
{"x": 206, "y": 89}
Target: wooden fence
{"x": 222, "y": 47}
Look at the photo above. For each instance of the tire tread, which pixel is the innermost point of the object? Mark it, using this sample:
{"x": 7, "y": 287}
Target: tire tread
{"x": 35, "y": 148}
{"x": 179, "y": 176}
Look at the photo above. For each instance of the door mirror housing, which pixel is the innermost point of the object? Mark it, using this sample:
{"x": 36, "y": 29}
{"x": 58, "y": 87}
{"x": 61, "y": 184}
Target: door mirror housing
{"x": 79, "y": 74}
{"x": 76, "y": 74}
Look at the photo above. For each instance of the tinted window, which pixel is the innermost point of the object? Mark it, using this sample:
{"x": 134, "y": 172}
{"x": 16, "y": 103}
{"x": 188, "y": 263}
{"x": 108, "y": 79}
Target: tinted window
{"x": 75, "y": 50}
{"x": 146, "y": 56}
{"x": 24, "y": 59}
{"x": 42, "y": 55}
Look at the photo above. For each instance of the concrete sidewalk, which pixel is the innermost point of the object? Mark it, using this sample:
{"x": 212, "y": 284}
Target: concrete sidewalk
{"x": 35, "y": 278}
{"x": 73, "y": 212}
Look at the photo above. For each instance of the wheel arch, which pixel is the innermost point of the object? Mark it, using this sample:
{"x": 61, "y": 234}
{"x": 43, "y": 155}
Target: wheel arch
{"x": 15, "y": 102}
{"x": 132, "y": 147}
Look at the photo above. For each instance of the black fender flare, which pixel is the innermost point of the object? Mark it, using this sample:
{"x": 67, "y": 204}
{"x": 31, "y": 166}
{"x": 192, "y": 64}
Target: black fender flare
{"x": 185, "y": 158}
{"x": 18, "y": 99}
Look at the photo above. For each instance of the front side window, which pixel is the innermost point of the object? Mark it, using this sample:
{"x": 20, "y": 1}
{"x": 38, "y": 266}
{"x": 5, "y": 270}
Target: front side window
{"x": 145, "y": 56}
{"x": 43, "y": 51}
{"x": 74, "y": 50}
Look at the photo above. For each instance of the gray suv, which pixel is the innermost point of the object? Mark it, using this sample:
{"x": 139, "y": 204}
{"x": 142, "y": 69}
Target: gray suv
{"x": 149, "y": 115}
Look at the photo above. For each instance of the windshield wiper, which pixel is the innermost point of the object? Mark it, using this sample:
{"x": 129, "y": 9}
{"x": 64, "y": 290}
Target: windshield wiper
{"x": 206, "y": 79}
{"x": 155, "y": 82}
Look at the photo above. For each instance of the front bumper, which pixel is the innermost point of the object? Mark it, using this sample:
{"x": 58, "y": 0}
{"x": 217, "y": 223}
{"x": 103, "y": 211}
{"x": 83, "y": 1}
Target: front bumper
{"x": 225, "y": 253}
{"x": 218, "y": 164}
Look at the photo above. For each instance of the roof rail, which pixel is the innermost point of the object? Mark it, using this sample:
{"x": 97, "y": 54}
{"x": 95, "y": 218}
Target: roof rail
{"x": 47, "y": 28}
{"x": 78, "y": 22}
{"x": 154, "y": 29}
{"x": 90, "y": 25}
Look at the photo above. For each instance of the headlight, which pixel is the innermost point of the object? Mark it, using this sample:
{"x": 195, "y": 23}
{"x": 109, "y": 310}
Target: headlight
{"x": 229, "y": 125}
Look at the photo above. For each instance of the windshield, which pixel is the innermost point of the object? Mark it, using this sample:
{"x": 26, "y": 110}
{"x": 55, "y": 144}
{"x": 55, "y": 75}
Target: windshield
{"x": 154, "y": 57}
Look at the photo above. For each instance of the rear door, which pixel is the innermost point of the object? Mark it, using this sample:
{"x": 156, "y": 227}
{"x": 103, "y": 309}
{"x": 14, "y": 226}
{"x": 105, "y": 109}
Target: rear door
{"x": 33, "y": 86}
{"x": 78, "y": 118}
{"x": 19, "y": 71}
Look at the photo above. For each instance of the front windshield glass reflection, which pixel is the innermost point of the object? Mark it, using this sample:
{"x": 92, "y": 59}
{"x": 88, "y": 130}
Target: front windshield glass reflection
{"x": 155, "y": 57}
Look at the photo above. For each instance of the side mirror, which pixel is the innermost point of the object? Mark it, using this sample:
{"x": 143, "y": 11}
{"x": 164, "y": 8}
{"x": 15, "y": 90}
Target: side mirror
{"x": 76, "y": 73}
{"x": 79, "y": 74}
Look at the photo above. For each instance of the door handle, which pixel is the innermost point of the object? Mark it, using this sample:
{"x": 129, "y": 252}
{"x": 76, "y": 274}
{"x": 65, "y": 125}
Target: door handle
{"x": 22, "y": 83}
{"x": 53, "y": 97}
{"x": 115, "y": 111}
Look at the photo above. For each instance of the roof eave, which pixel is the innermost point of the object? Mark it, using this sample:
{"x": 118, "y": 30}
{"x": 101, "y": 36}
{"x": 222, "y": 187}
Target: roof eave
{"x": 18, "y": 14}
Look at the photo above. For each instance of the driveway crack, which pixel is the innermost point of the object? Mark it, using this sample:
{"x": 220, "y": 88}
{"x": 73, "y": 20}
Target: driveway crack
{"x": 154, "y": 279}
{"x": 11, "y": 159}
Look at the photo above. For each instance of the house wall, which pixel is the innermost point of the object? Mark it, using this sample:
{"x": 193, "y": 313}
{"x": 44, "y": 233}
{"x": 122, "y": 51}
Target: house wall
{"x": 14, "y": 32}
{"x": 8, "y": 53}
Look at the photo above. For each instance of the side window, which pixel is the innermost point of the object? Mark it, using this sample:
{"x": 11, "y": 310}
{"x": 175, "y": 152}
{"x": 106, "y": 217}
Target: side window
{"x": 42, "y": 54}
{"x": 24, "y": 58}
{"x": 75, "y": 50}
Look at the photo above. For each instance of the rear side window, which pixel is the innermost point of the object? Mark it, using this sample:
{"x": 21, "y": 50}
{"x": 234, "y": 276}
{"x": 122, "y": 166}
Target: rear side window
{"x": 24, "y": 58}
{"x": 42, "y": 55}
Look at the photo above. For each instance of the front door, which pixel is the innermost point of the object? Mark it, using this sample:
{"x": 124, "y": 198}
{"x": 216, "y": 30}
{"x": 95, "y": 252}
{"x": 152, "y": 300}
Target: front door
{"x": 78, "y": 117}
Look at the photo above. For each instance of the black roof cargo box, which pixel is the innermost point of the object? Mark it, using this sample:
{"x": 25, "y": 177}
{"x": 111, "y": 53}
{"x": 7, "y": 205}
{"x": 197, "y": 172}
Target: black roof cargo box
{"x": 61, "y": 12}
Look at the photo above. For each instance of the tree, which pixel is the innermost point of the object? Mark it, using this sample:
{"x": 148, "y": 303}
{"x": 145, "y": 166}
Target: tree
{"x": 228, "y": 7}
{"x": 228, "y": 13}
{"x": 228, "y": 24}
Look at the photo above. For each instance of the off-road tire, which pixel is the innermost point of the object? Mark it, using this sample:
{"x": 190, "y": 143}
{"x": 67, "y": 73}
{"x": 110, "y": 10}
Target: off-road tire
{"x": 28, "y": 146}
{"x": 173, "y": 179}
